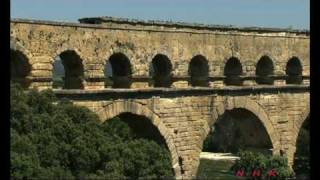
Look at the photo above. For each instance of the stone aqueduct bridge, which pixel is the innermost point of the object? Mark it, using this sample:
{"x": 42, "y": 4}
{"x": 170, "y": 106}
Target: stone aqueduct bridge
{"x": 182, "y": 77}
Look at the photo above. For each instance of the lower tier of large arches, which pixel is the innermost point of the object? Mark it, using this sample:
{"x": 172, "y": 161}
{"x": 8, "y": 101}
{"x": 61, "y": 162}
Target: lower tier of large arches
{"x": 185, "y": 122}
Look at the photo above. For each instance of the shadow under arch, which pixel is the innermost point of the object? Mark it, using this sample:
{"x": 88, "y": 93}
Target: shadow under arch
{"x": 253, "y": 107}
{"x": 116, "y": 108}
{"x": 294, "y": 71}
{"x": 232, "y": 72}
{"x": 264, "y": 70}
{"x": 68, "y": 65}
{"x": 120, "y": 70}
{"x": 160, "y": 70}
{"x": 199, "y": 71}
{"x": 20, "y": 68}
{"x": 301, "y": 155}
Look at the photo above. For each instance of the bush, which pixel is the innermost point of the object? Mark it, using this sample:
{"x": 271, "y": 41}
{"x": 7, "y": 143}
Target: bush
{"x": 52, "y": 140}
{"x": 253, "y": 160}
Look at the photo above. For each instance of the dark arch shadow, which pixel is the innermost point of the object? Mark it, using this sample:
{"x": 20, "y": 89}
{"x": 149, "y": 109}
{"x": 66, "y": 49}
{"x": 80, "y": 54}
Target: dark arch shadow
{"x": 161, "y": 72}
{"x": 140, "y": 127}
{"x": 294, "y": 71}
{"x": 199, "y": 71}
{"x": 264, "y": 71}
{"x": 116, "y": 108}
{"x": 233, "y": 71}
{"x": 19, "y": 68}
{"x": 301, "y": 164}
{"x": 121, "y": 70}
{"x": 68, "y": 66}
{"x": 238, "y": 129}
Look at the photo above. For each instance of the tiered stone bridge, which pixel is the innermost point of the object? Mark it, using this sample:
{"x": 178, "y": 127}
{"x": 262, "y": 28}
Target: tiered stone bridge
{"x": 182, "y": 77}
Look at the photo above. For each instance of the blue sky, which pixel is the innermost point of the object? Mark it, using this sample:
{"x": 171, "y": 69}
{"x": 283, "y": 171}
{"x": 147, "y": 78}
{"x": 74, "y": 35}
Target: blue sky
{"x": 263, "y": 13}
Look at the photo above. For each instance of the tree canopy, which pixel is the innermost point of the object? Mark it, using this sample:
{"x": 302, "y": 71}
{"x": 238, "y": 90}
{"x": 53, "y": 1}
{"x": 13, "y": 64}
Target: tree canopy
{"x": 56, "y": 139}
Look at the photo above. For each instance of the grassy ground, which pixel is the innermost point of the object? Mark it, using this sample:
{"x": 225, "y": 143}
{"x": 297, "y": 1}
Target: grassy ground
{"x": 215, "y": 170}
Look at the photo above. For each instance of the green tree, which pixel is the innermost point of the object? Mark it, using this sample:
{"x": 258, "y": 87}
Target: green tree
{"x": 58, "y": 140}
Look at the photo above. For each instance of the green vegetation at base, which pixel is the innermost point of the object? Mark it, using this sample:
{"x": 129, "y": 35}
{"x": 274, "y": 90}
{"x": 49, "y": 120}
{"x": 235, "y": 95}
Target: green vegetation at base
{"x": 62, "y": 141}
{"x": 216, "y": 169}
{"x": 252, "y": 160}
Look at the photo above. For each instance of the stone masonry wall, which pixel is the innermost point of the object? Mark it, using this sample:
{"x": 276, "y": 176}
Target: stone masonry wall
{"x": 183, "y": 121}
{"x": 42, "y": 42}
{"x": 187, "y": 120}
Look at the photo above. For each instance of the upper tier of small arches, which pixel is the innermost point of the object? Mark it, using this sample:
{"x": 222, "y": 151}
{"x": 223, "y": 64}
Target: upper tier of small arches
{"x": 68, "y": 71}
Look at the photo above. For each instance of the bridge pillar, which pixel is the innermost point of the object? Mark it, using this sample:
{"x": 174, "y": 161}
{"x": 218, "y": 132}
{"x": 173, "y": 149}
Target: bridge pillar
{"x": 139, "y": 85}
{"x": 41, "y": 73}
{"x": 180, "y": 84}
{"x": 306, "y": 81}
{"x": 249, "y": 82}
{"x": 279, "y": 71}
{"x": 41, "y": 85}
{"x": 94, "y": 85}
{"x": 279, "y": 82}
{"x": 249, "y": 70}
{"x": 306, "y": 72}
{"x": 216, "y": 84}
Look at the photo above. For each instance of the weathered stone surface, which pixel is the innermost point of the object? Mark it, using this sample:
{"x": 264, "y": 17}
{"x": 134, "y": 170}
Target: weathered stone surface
{"x": 183, "y": 114}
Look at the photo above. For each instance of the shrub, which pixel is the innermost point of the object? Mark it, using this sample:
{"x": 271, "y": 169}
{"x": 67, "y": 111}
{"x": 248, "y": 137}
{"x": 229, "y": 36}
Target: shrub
{"x": 254, "y": 160}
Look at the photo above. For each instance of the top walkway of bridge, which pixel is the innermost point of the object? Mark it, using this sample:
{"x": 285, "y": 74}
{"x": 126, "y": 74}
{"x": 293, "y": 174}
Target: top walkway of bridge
{"x": 99, "y": 22}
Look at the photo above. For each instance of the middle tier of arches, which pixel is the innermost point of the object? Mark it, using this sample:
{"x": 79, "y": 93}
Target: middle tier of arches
{"x": 68, "y": 71}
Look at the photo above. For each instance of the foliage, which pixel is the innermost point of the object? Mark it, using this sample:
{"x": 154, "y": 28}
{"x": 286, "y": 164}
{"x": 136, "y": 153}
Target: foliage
{"x": 254, "y": 160}
{"x": 216, "y": 169}
{"x": 53, "y": 139}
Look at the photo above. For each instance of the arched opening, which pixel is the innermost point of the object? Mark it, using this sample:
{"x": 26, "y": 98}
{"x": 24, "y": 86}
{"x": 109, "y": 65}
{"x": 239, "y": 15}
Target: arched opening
{"x": 199, "y": 71}
{"x": 235, "y": 130}
{"x": 121, "y": 71}
{"x": 68, "y": 71}
{"x": 20, "y": 68}
{"x": 264, "y": 70}
{"x": 294, "y": 71}
{"x": 301, "y": 164}
{"x": 232, "y": 72}
{"x": 238, "y": 129}
{"x": 161, "y": 71}
{"x": 150, "y": 159}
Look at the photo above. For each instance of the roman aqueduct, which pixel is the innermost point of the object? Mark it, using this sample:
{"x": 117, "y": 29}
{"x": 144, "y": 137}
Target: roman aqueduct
{"x": 182, "y": 77}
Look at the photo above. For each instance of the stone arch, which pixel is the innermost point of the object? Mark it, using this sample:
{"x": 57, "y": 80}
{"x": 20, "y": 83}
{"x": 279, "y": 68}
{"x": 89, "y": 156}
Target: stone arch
{"x": 121, "y": 68}
{"x": 64, "y": 49}
{"x": 298, "y": 124}
{"x": 294, "y": 71}
{"x": 299, "y": 136}
{"x": 264, "y": 69}
{"x": 160, "y": 70}
{"x": 110, "y": 110}
{"x": 16, "y": 45}
{"x": 267, "y": 54}
{"x": 131, "y": 54}
{"x": 20, "y": 68}
{"x": 199, "y": 71}
{"x": 253, "y": 107}
{"x": 73, "y": 69}
{"x": 232, "y": 71}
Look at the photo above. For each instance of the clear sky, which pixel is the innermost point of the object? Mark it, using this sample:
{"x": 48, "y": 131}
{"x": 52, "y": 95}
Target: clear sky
{"x": 263, "y": 13}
